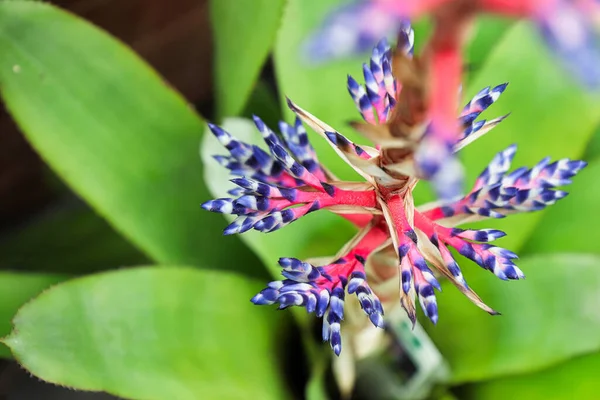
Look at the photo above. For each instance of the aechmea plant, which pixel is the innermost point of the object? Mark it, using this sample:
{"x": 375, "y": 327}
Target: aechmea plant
{"x": 278, "y": 187}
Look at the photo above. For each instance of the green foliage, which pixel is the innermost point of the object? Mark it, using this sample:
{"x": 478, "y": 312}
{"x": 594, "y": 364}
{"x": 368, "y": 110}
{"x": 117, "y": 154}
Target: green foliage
{"x": 16, "y": 288}
{"x": 71, "y": 239}
{"x": 315, "y": 387}
{"x": 547, "y": 318}
{"x": 593, "y": 148}
{"x": 264, "y": 103}
{"x": 153, "y": 333}
{"x": 113, "y": 131}
{"x": 244, "y": 31}
{"x": 488, "y": 31}
{"x": 575, "y": 379}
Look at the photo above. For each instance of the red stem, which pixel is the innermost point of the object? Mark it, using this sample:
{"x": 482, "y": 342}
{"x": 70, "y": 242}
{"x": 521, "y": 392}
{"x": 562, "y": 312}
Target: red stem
{"x": 446, "y": 69}
{"x": 376, "y": 236}
{"x": 517, "y": 8}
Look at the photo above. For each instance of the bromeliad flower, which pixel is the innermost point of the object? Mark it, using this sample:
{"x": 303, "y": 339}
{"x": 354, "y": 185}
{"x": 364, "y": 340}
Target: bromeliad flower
{"x": 276, "y": 188}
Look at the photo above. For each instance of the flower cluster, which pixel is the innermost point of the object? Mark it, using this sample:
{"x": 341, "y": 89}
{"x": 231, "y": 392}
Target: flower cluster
{"x": 277, "y": 187}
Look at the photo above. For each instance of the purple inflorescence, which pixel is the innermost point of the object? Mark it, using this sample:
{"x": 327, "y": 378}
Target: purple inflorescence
{"x": 276, "y": 187}
{"x": 316, "y": 289}
{"x": 497, "y": 193}
{"x": 570, "y": 28}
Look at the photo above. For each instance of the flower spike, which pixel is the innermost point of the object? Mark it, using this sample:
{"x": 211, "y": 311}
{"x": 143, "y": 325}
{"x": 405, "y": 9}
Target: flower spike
{"x": 414, "y": 139}
{"x": 497, "y": 193}
{"x": 378, "y": 96}
{"x": 322, "y": 289}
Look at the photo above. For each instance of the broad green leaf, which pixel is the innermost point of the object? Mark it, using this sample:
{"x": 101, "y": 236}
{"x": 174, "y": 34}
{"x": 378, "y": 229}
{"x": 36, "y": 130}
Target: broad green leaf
{"x": 487, "y": 33}
{"x": 570, "y": 225}
{"x": 243, "y": 34}
{"x": 575, "y": 379}
{"x": 120, "y": 137}
{"x": 68, "y": 238}
{"x": 153, "y": 333}
{"x": 318, "y": 234}
{"x": 550, "y": 116}
{"x": 16, "y": 288}
{"x": 547, "y": 318}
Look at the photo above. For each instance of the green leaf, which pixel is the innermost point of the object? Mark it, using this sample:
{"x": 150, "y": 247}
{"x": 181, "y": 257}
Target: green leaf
{"x": 569, "y": 225}
{"x": 153, "y": 333}
{"x": 16, "y": 288}
{"x": 550, "y": 116}
{"x": 316, "y": 234}
{"x": 592, "y": 152}
{"x": 69, "y": 238}
{"x": 547, "y": 318}
{"x": 316, "y": 386}
{"x": 117, "y": 134}
{"x": 264, "y": 103}
{"x": 576, "y": 379}
{"x": 487, "y": 33}
{"x": 244, "y": 32}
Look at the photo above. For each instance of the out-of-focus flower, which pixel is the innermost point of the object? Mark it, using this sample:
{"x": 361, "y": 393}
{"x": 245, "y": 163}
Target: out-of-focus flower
{"x": 355, "y": 28}
{"x": 277, "y": 188}
{"x": 569, "y": 27}
{"x": 571, "y": 30}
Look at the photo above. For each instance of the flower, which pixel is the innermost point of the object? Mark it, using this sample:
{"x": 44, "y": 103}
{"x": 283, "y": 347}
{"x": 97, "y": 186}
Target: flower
{"x": 355, "y": 28}
{"x": 275, "y": 189}
{"x": 569, "y": 27}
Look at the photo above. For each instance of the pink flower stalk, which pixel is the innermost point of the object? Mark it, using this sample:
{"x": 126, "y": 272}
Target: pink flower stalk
{"x": 277, "y": 188}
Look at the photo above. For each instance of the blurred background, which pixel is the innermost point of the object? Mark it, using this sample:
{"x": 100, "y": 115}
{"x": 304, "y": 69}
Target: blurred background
{"x": 547, "y": 343}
